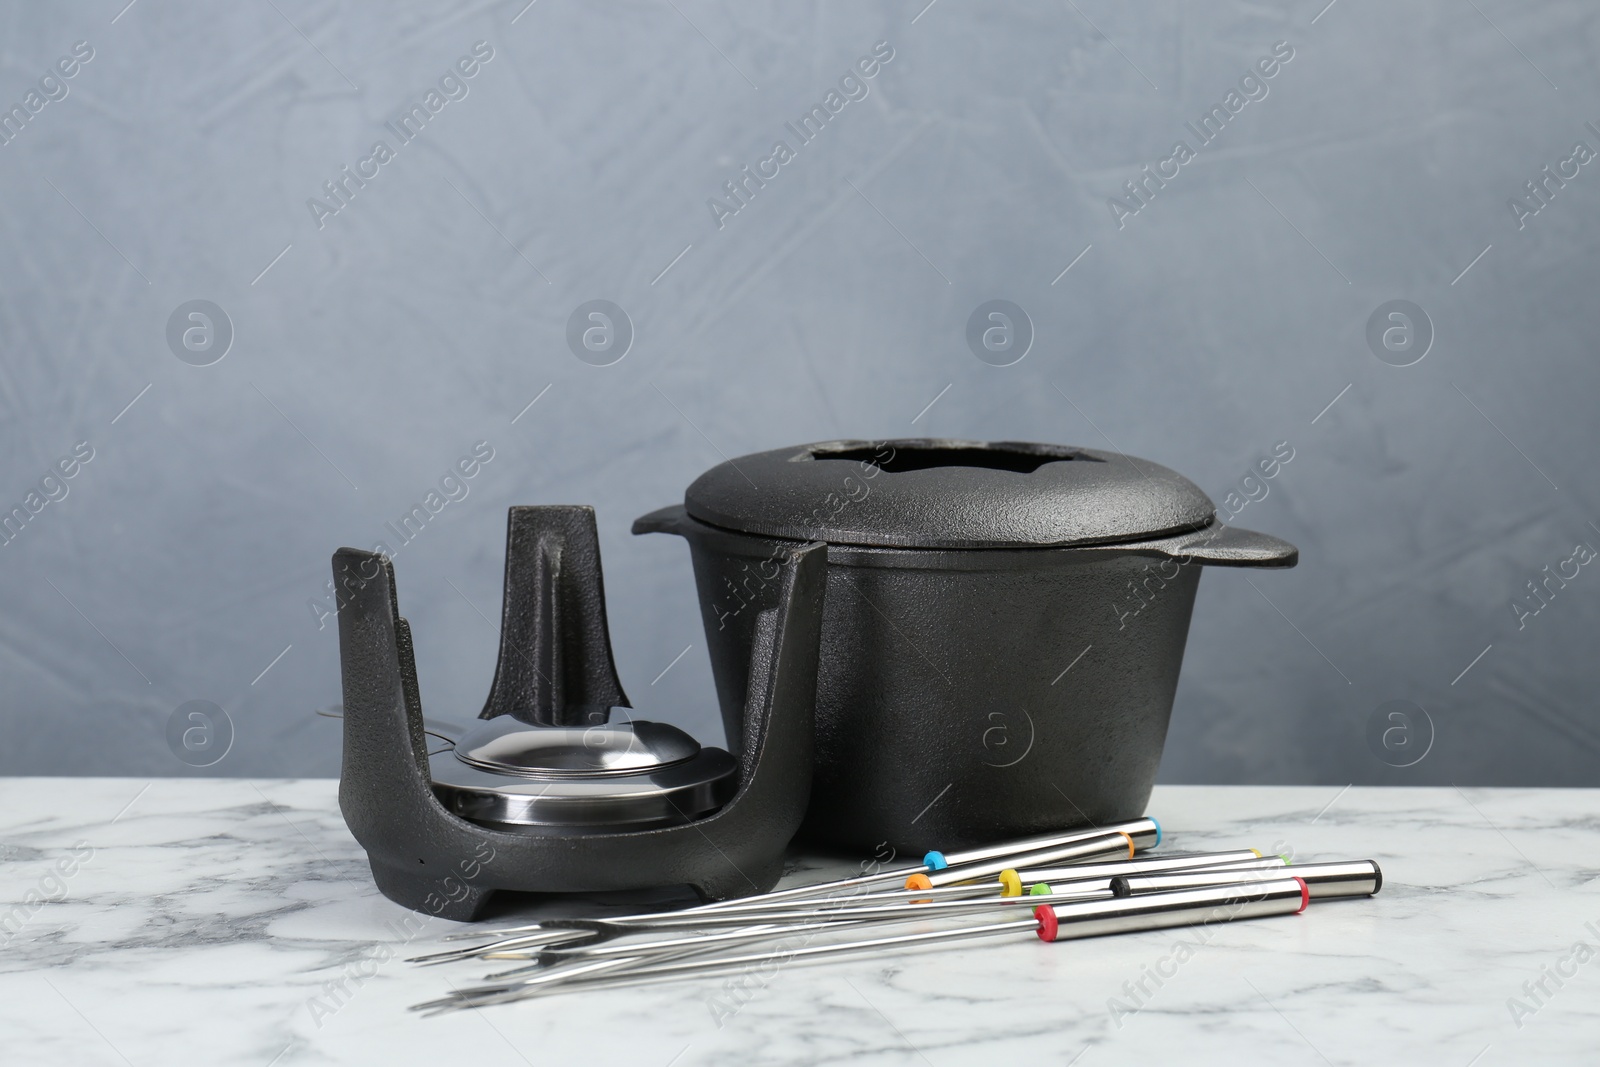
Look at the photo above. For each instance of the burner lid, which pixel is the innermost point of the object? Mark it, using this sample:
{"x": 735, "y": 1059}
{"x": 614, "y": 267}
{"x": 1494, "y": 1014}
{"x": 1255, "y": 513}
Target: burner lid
{"x": 609, "y": 777}
{"x": 507, "y": 746}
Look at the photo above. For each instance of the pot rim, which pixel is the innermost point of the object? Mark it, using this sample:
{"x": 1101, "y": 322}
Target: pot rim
{"x": 1217, "y": 545}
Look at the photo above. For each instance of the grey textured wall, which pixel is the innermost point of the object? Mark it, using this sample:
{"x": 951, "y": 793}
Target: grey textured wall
{"x": 373, "y": 346}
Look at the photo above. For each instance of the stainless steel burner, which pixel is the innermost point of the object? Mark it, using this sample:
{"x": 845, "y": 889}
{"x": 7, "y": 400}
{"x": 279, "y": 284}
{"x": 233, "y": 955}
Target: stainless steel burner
{"x": 611, "y": 776}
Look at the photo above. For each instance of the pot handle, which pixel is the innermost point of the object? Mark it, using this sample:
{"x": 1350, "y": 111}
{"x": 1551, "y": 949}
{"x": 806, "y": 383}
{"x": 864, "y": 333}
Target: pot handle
{"x": 1221, "y": 545}
{"x": 669, "y": 519}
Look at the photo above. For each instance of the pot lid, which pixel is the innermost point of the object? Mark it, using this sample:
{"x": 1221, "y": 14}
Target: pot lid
{"x": 931, "y": 493}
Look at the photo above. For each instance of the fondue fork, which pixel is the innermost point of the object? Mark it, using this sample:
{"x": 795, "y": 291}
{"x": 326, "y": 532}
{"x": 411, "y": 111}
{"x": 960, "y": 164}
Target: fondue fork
{"x": 969, "y": 865}
{"x": 1067, "y": 881}
{"x": 1050, "y": 922}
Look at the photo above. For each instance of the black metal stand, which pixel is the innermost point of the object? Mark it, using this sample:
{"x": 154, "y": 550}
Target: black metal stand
{"x": 555, "y": 666}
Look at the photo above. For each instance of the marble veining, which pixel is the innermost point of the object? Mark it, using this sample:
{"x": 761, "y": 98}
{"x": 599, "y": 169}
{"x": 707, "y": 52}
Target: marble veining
{"x": 234, "y": 922}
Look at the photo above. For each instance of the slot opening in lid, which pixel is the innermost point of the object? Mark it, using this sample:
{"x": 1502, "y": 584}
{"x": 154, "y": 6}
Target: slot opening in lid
{"x": 927, "y": 457}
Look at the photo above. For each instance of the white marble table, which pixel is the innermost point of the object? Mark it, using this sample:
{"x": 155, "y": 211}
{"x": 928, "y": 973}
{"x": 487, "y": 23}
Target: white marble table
{"x": 234, "y": 922}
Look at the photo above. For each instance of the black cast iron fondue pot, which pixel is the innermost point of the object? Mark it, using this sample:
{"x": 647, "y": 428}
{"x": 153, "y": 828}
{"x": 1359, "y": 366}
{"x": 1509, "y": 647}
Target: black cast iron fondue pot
{"x": 1003, "y": 626}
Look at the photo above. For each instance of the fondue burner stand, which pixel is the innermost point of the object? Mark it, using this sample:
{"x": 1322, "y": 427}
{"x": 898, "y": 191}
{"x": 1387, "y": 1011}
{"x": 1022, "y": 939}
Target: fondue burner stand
{"x": 547, "y": 792}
